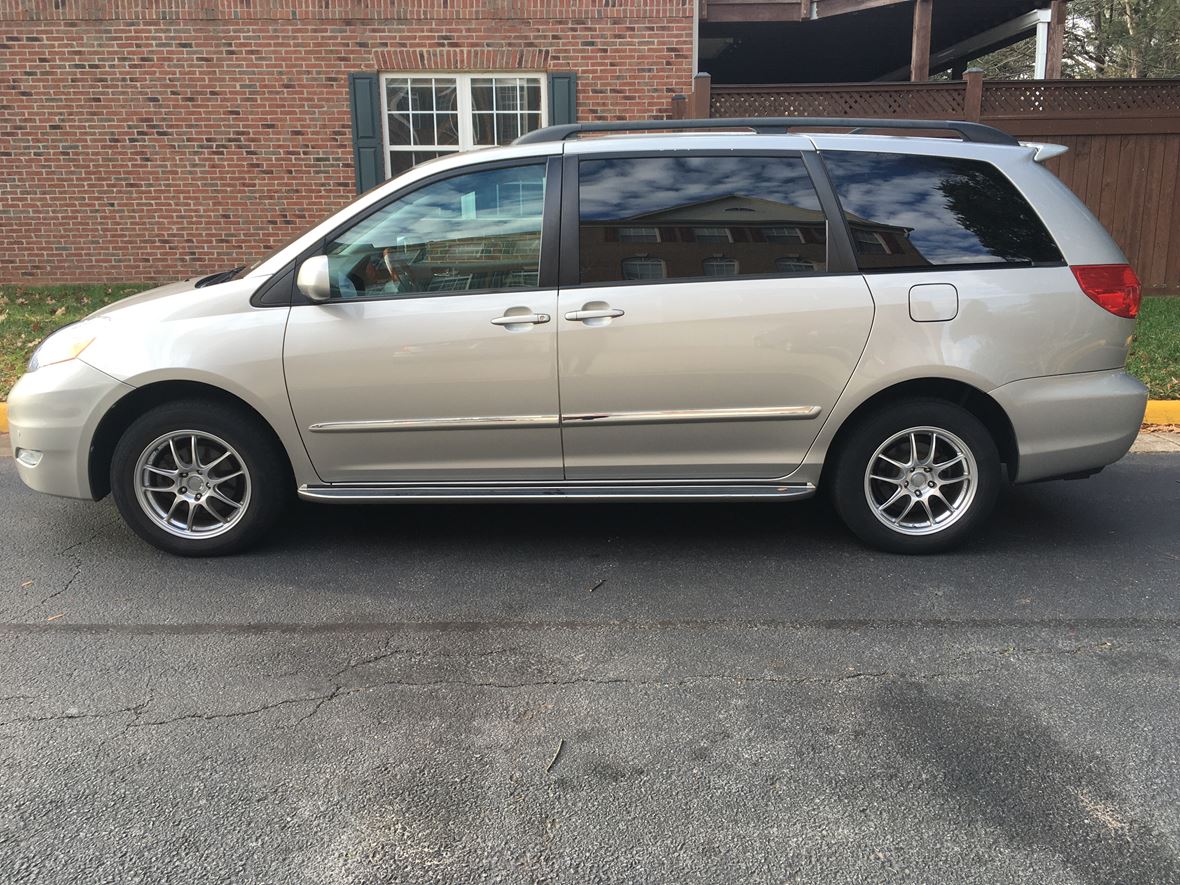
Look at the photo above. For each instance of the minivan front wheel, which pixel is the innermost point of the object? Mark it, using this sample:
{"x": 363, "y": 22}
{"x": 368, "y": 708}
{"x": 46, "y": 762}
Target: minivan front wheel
{"x": 198, "y": 478}
{"x": 917, "y": 477}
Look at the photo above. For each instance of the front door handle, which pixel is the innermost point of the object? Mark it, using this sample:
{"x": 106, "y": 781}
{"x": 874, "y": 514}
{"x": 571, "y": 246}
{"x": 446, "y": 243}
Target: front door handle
{"x": 521, "y": 319}
{"x": 599, "y": 313}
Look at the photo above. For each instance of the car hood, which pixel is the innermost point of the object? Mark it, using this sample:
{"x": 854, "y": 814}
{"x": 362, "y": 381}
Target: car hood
{"x": 165, "y": 291}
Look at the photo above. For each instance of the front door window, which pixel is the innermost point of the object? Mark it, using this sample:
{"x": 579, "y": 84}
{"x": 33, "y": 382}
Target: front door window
{"x": 475, "y": 232}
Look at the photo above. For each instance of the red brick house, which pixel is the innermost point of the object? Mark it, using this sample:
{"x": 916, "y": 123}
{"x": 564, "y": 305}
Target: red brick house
{"x": 148, "y": 139}
{"x": 145, "y": 139}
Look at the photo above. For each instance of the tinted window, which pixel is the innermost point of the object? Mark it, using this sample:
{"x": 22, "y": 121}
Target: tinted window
{"x": 911, "y": 211}
{"x": 653, "y": 218}
{"x": 481, "y": 230}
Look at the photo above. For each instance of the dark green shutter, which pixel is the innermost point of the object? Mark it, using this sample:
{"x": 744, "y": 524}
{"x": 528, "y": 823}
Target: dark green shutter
{"x": 563, "y": 99}
{"x": 368, "y": 153}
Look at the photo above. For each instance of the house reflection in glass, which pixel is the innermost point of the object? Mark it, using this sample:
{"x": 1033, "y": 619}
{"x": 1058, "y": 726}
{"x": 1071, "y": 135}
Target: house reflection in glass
{"x": 699, "y": 217}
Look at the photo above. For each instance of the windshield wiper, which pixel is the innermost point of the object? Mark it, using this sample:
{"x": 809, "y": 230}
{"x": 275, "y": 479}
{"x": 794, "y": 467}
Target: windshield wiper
{"x": 219, "y": 277}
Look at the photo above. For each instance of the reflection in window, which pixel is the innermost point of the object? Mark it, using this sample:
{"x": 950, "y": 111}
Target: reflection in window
{"x": 639, "y": 234}
{"x": 910, "y": 211}
{"x": 475, "y": 231}
{"x": 793, "y": 265}
{"x": 720, "y": 266}
{"x": 643, "y": 268}
{"x": 521, "y": 279}
{"x": 712, "y": 235}
{"x": 869, "y": 242}
{"x": 686, "y": 207}
{"x": 784, "y": 235}
{"x": 450, "y": 283}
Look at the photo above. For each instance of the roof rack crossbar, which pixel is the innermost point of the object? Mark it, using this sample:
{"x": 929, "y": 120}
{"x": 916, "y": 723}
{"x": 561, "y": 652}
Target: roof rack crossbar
{"x": 974, "y": 132}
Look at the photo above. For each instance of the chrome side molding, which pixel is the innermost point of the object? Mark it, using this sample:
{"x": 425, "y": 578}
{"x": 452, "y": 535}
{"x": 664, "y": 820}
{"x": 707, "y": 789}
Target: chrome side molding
{"x": 556, "y": 492}
{"x": 664, "y": 416}
{"x": 474, "y": 423}
{"x": 696, "y": 416}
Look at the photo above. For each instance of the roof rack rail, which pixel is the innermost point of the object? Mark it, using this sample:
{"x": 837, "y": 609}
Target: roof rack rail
{"x": 974, "y": 132}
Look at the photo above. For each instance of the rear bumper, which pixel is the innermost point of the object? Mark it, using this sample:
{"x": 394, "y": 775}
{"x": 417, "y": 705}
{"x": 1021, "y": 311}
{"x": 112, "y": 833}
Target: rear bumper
{"x": 52, "y": 416}
{"x": 1072, "y": 423}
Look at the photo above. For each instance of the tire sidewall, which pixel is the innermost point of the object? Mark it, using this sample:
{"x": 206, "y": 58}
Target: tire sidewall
{"x": 254, "y": 445}
{"x": 848, "y": 492}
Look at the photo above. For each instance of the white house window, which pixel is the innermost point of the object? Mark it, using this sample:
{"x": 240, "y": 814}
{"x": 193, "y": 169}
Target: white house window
{"x": 639, "y": 234}
{"x": 793, "y": 264}
{"x": 429, "y": 115}
{"x": 869, "y": 242}
{"x": 784, "y": 235}
{"x": 644, "y": 267}
{"x": 720, "y": 266}
{"x": 712, "y": 235}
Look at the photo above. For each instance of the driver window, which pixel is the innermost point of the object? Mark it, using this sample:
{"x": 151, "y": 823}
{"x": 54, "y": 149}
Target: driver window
{"x": 481, "y": 231}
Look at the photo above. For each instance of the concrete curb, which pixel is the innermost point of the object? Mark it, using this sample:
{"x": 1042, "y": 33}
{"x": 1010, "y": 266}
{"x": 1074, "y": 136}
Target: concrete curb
{"x": 1162, "y": 411}
{"x": 3, "y": 417}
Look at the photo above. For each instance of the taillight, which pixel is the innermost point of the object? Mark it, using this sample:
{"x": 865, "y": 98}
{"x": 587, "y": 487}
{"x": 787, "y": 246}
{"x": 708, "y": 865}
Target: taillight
{"x": 1111, "y": 286}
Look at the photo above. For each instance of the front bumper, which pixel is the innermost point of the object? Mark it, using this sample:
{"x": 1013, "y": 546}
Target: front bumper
{"x": 1072, "y": 423}
{"x": 52, "y": 416}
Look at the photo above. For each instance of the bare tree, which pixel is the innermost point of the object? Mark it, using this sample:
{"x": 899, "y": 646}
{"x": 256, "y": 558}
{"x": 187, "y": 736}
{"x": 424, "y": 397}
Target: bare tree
{"x": 1104, "y": 38}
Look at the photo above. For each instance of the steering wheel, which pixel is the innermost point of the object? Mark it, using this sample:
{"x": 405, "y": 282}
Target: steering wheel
{"x": 399, "y": 268}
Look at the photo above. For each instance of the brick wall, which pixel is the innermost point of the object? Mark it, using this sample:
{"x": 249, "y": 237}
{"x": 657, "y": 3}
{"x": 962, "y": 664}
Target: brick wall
{"x": 151, "y": 139}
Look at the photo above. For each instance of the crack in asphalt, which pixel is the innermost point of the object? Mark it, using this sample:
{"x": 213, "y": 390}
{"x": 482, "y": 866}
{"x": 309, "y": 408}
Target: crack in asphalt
{"x": 79, "y": 563}
{"x": 341, "y": 691}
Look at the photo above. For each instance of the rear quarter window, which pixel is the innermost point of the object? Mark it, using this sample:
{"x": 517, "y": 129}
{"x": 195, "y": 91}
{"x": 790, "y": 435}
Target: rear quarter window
{"x": 910, "y": 212}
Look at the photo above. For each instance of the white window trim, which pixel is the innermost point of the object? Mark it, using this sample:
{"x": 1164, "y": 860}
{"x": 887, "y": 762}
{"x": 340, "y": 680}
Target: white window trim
{"x": 650, "y": 259}
{"x": 790, "y": 234}
{"x": 737, "y": 266}
{"x": 725, "y": 230}
{"x": 463, "y": 107}
{"x": 877, "y": 239}
{"x": 642, "y": 227}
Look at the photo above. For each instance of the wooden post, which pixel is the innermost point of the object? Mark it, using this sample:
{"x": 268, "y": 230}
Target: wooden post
{"x": 920, "y": 53}
{"x": 701, "y": 87}
{"x": 679, "y": 107}
{"x": 973, "y": 102}
{"x": 1056, "y": 48}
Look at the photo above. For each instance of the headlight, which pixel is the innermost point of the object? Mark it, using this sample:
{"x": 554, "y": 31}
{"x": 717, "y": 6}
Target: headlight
{"x": 67, "y": 342}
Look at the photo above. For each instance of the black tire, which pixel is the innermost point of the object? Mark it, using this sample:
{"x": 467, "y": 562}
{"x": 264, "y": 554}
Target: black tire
{"x": 851, "y": 486}
{"x": 264, "y": 490}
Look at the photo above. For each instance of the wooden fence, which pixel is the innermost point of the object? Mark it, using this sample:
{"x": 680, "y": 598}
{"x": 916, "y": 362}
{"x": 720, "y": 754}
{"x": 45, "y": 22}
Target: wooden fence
{"x": 1123, "y": 136}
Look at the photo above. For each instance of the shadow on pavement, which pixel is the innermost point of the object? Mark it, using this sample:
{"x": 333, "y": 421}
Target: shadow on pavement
{"x": 1012, "y": 774}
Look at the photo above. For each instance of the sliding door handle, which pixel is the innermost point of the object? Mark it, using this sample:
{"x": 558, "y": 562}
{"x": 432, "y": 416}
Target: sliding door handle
{"x": 603, "y": 313}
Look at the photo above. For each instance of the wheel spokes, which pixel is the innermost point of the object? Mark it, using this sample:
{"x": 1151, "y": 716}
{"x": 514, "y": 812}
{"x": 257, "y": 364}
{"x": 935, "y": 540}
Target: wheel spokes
{"x": 912, "y": 497}
{"x": 197, "y": 503}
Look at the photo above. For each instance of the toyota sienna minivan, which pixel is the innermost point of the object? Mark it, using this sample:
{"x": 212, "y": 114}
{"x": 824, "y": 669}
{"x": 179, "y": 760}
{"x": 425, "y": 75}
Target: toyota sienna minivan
{"x": 903, "y": 323}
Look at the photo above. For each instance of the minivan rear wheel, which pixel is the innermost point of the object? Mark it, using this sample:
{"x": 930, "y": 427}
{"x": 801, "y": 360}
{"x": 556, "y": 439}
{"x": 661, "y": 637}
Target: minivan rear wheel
{"x": 920, "y": 476}
{"x": 199, "y": 478}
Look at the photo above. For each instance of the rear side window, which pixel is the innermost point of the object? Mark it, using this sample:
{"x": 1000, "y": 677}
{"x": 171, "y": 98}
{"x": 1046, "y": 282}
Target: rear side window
{"x": 645, "y": 219}
{"x": 909, "y": 211}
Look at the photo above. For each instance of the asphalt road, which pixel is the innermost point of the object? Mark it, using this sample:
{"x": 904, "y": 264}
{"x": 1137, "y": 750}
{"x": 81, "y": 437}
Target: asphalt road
{"x": 693, "y": 693}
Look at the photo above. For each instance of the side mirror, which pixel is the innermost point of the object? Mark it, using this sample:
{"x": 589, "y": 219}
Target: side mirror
{"x": 315, "y": 279}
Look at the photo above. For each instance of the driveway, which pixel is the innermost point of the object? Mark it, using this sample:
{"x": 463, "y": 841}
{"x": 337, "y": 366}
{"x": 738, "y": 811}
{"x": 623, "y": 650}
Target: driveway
{"x": 693, "y": 693}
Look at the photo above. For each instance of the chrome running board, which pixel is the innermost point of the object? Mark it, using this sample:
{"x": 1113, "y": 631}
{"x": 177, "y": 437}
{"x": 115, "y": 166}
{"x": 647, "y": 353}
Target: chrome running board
{"x": 556, "y": 492}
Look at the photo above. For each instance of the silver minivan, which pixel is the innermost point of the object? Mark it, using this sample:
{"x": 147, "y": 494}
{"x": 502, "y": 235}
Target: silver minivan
{"x": 904, "y": 322}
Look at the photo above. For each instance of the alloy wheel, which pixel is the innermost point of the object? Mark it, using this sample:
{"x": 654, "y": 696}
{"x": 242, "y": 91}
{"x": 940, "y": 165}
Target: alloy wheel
{"x": 192, "y": 484}
{"x": 921, "y": 481}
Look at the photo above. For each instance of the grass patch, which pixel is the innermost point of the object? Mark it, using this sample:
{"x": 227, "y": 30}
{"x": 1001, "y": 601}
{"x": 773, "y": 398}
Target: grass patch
{"x": 29, "y": 313}
{"x": 1155, "y": 352}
